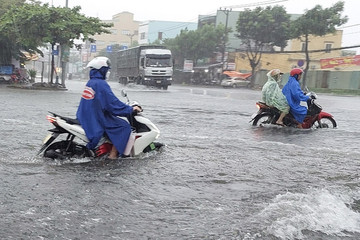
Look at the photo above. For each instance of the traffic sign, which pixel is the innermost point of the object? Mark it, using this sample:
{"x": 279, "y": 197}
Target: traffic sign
{"x": 92, "y": 48}
{"x": 109, "y": 49}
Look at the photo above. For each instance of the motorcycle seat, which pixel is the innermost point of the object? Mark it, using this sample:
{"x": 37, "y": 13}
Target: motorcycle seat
{"x": 67, "y": 119}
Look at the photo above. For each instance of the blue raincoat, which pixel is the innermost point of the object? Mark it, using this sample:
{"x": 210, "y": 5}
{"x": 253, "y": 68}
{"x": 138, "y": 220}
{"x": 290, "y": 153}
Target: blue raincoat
{"x": 98, "y": 110}
{"x": 294, "y": 95}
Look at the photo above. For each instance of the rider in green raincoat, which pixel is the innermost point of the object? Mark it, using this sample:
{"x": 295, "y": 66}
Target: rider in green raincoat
{"x": 273, "y": 96}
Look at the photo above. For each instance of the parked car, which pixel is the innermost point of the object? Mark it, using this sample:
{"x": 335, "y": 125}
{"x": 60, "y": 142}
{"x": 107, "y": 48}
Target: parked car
{"x": 235, "y": 82}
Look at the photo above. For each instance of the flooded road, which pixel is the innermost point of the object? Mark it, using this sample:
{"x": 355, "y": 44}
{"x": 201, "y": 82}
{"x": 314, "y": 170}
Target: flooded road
{"x": 217, "y": 178}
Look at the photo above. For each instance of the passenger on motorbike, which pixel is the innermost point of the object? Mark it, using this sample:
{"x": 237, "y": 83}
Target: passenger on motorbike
{"x": 99, "y": 108}
{"x": 272, "y": 95}
{"x": 294, "y": 95}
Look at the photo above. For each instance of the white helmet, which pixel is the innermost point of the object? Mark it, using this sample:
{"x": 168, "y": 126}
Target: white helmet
{"x": 99, "y": 62}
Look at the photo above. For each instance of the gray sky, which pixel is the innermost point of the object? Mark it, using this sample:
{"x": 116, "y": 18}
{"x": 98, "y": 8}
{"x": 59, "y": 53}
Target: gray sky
{"x": 188, "y": 10}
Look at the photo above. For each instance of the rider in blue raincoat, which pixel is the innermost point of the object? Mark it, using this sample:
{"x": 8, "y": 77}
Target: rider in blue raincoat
{"x": 294, "y": 95}
{"x": 99, "y": 108}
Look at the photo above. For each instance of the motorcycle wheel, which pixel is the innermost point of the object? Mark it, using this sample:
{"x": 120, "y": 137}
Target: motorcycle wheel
{"x": 325, "y": 122}
{"x": 62, "y": 150}
{"x": 263, "y": 119}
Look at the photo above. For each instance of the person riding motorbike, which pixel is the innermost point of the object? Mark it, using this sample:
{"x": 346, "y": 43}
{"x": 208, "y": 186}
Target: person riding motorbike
{"x": 272, "y": 95}
{"x": 294, "y": 95}
{"x": 99, "y": 109}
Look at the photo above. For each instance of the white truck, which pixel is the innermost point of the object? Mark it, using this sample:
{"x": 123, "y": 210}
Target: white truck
{"x": 148, "y": 65}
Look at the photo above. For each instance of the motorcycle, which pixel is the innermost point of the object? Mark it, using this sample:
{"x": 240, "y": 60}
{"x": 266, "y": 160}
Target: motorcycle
{"x": 316, "y": 118}
{"x": 144, "y": 133}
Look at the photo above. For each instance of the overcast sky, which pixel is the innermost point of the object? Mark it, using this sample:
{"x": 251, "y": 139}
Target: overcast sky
{"x": 188, "y": 10}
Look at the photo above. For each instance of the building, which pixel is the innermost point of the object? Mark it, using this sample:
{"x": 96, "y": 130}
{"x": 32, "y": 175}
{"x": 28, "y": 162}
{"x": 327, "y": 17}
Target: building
{"x": 150, "y": 31}
{"x": 295, "y": 57}
{"x": 124, "y": 32}
{"x": 127, "y": 32}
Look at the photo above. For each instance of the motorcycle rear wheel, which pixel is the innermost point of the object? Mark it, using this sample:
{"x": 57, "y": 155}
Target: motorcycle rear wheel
{"x": 65, "y": 150}
{"x": 325, "y": 122}
{"x": 263, "y": 119}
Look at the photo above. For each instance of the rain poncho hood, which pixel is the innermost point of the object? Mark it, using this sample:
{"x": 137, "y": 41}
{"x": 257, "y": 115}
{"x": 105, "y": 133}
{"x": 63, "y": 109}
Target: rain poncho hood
{"x": 272, "y": 95}
{"x": 98, "y": 111}
{"x": 294, "y": 95}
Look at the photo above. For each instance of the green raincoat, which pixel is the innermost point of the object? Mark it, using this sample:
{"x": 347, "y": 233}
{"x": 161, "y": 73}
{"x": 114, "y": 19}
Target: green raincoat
{"x": 272, "y": 95}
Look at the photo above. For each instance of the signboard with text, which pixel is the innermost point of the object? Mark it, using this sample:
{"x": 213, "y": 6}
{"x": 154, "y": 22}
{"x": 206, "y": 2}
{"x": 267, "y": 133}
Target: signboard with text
{"x": 340, "y": 61}
{"x": 188, "y": 65}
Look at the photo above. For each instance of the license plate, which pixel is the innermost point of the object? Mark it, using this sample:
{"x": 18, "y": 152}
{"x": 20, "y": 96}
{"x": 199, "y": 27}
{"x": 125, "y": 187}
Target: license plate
{"x": 158, "y": 81}
{"x": 47, "y": 138}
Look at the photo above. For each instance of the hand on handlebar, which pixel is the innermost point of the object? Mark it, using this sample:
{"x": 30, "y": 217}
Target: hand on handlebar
{"x": 137, "y": 109}
{"x": 310, "y": 101}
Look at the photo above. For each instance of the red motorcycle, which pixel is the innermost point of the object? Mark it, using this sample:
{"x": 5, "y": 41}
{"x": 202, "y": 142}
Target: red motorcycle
{"x": 316, "y": 118}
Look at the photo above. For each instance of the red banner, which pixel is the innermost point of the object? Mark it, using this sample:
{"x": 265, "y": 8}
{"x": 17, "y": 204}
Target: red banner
{"x": 341, "y": 61}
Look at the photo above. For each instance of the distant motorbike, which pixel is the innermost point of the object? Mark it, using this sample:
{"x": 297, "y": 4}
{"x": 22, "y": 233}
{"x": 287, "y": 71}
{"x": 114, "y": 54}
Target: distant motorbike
{"x": 143, "y": 131}
{"x": 316, "y": 118}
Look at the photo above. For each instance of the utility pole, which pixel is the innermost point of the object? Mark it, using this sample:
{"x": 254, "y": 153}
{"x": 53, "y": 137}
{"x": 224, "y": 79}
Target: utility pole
{"x": 131, "y": 37}
{"x": 65, "y": 50}
{"x": 226, "y": 11}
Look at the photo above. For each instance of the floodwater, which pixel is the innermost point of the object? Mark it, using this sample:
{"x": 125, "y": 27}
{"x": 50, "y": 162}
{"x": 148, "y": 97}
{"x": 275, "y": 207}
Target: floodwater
{"x": 217, "y": 177}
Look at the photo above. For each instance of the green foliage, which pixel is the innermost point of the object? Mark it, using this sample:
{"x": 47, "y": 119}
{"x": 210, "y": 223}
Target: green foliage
{"x": 113, "y": 58}
{"x": 6, "y": 5}
{"x": 262, "y": 28}
{"x": 195, "y": 44}
{"x": 317, "y": 22}
{"x": 28, "y": 26}
{"x": 32, "y": 73}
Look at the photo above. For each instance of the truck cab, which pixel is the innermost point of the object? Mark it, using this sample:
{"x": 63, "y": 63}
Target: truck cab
{"x": 156, "y": 67}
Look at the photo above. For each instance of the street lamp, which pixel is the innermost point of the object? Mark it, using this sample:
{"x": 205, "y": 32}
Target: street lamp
{"x": 131, "y": 37}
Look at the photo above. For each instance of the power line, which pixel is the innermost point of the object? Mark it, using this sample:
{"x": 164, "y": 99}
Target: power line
{"x": 256, "y": 4}
{"x": 354, "y": 25}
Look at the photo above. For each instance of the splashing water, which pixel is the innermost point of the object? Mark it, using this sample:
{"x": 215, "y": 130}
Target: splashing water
{"x": 316, "y": 210}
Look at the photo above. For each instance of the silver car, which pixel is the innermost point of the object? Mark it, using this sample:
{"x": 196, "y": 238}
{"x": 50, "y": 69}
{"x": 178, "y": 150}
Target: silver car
{"x": 235, "y": 82}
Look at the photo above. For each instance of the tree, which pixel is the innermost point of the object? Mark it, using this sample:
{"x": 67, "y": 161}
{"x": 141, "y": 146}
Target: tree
{"x": 260, "y": 29}
{"x": 30, "y": 26}
{"x": 317, "y": 22}
{"x": 195, "y": 44}
{"x": 113, "y": 58}
{"x": 6, "y": 4}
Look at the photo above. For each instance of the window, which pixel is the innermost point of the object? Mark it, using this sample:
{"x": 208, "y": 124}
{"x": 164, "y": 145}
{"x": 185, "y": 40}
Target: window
{"x": 328, "y": 47}
{"x": 142, "y": 36}
{"x": 125, "y": 32}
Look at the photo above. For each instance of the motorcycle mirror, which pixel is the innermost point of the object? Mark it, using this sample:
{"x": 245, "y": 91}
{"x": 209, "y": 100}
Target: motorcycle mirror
{"x": 123, "y": 93}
